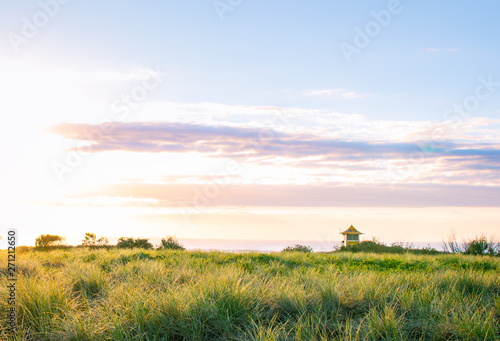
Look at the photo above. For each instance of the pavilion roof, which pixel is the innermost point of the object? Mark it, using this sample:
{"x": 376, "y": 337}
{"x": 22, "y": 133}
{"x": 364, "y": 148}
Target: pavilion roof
{"x": 351, "y": 230}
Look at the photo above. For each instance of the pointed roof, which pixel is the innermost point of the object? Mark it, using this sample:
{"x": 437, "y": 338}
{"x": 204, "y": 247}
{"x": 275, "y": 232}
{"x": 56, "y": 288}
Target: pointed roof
{"x": 351, "y": 230}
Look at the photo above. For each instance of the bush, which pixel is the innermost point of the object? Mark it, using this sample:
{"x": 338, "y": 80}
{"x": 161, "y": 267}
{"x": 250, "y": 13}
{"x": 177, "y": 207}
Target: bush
{"x": 298, "y": 248}
{"x": 48, "y": 240}
{"x": 143, "y": 244}
{"x": 481, "y": 246}
{"x": 171, "y": 244}
{"x": 374, "y": 246}
{"x": 130, "y": 243}
{"x": 125, "y": 243}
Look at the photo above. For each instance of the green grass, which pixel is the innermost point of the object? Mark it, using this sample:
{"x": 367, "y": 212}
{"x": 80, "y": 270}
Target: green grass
{"x": 114, "y": 294}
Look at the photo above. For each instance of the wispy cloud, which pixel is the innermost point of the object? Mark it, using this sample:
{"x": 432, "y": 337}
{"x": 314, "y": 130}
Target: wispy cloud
{"x": 290, "y": 195}
{"x": 442, "y": 160}
{"x": 224, "y": 141}
{"x": 340, "y": 93}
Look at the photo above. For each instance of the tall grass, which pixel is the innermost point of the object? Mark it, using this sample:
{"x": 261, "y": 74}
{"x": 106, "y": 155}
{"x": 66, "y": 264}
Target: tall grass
{"x": 118, "y": 294}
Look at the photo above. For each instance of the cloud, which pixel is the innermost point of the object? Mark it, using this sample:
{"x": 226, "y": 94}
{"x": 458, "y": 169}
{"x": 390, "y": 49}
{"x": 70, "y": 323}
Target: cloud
{"x": 446, "y": 161}
{"x": 223, "y": 141}
{"x": 289, "y": 195}
{"x": 341, "y": 93}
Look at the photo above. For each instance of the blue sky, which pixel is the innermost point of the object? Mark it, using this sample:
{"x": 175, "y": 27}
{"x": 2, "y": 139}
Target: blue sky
{"x": 381, "y": 120}
{"x": 262, "y": 49}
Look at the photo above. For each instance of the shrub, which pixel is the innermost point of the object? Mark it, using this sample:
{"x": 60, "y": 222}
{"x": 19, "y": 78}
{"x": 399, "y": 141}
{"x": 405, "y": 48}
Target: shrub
{"x": 130, "y": 243}
{"x": 171, "y": 244}
{"x": 374, "y": 246}
{"x": 125, "y": 243}
{"x": 298, "y": 248}
{"x": 143, "y": 243}
{"x": 481, "y": 246}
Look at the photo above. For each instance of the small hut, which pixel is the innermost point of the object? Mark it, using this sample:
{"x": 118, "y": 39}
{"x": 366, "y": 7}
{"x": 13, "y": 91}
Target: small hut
{"x": 351, "y": 236}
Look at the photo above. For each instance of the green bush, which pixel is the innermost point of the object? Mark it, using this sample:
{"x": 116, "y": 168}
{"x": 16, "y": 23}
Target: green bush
{"x": 377, "y": 247}
{"x": 171, "y": 244}
{"x": 372, "y": 246}
{"x": 298, "y": 248}
{"x": 481, "y": 246}
{"x": 130, "y": 243}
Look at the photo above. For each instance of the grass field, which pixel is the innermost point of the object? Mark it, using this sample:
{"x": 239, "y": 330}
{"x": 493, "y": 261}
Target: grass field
{"x": 83, "y": 294}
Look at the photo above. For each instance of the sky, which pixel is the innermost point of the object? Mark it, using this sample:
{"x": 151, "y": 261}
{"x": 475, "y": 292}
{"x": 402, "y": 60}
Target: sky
{"x": 257, "y": 120}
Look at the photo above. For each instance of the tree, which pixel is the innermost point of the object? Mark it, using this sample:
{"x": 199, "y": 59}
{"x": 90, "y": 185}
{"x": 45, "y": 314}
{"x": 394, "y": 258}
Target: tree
{"x": 91, "y": 240}
{"x": 171, "y": 244}
{"x": 47, "y": 240}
